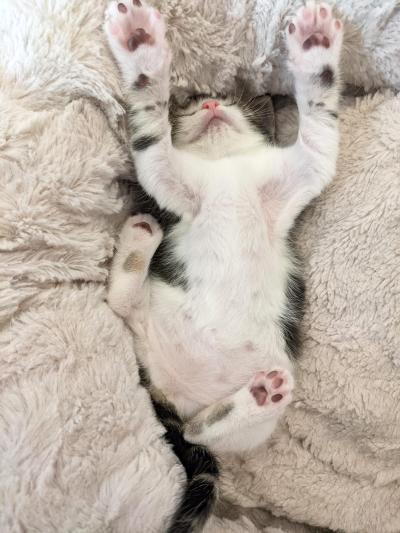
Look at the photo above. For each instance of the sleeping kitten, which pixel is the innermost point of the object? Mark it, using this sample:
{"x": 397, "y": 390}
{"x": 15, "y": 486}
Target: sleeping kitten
{"x": 210, "y": 297}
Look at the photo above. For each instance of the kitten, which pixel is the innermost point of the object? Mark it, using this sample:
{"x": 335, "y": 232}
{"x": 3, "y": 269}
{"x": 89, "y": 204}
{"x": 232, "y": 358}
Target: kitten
{"x": 213, "y": 296}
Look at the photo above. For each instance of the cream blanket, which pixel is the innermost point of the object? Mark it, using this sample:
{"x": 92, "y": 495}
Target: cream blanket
{"x": 79, "y": 447}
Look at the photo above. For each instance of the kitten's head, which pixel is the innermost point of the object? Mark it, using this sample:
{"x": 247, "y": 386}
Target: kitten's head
{"x": 219, "y": 125}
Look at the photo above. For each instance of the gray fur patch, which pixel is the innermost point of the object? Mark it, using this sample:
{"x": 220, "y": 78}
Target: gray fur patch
{"x": 219, "y": 412}
{"x": 194, "y": 426}
{"x": 134, "y": 262}
{"x": 327, "y": 77}
{"x": 142, "y": 143}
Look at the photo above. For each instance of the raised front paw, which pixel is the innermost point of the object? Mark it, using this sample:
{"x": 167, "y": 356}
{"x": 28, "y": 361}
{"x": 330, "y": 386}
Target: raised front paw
{"x": 314, "y": 38}
{"x": 136, "y": 35}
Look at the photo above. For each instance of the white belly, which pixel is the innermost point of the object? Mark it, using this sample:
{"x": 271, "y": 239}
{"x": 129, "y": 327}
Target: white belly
{"x": 204, "y": 343}
{"x": 200, "y": 348}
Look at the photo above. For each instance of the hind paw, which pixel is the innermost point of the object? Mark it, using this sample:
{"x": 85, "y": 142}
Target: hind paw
{"x": 272, "y": 389}
{"x": 141, "y": 232}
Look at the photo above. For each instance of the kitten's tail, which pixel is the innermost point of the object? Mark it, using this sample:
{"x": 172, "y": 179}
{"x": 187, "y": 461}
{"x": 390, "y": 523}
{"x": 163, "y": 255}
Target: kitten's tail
{"x": 202, "y": 474}
{"x": 201, "y": 469}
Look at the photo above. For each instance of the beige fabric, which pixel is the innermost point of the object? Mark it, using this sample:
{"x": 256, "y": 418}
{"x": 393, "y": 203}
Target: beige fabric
{"x": 79, "y": 447}
{"x": 214, "y": 41}
{"x": 336, "y": 460}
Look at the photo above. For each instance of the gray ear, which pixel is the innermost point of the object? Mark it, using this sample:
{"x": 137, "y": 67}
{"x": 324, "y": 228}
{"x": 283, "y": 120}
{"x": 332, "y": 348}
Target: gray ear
{"x": 260, "y": 108}
{"x": 264, "y": 116}
{"x": 286, "y": 120}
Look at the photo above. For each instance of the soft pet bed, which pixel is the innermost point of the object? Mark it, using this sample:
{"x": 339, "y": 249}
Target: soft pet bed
{"x": 80, "y": 449}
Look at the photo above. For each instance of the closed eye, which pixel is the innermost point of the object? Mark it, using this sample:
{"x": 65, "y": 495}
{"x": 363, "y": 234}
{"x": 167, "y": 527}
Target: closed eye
{"x": 187, "y": 114}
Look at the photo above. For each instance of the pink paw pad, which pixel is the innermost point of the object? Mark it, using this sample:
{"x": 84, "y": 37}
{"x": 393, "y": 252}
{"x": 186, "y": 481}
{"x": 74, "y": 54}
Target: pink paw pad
{"x": 314, "y": 25}
{"x": 139, "y": 37}
{"x": 134, "y": 23}
{"x": 144, "y": 226}
{"x": 274, "y": 386}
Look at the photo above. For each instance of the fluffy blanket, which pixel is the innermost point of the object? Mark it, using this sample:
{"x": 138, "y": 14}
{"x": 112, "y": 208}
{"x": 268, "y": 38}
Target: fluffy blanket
{"x": 79, "y": 447}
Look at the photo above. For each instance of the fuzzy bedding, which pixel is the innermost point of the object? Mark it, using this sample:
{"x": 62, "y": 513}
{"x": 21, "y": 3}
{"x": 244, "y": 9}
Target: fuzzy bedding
{"x": 80, "y": 449}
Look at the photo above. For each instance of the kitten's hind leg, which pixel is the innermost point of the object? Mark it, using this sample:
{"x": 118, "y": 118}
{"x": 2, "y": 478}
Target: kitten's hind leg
{"x": 139, "y": 239}
{"x": 246, "y": 418}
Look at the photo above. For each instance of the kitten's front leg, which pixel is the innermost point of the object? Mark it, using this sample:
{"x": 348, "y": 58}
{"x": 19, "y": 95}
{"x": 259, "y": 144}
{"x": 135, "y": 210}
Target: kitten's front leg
{"x": 136, "y": 35}
{"x": 314, "y": 41}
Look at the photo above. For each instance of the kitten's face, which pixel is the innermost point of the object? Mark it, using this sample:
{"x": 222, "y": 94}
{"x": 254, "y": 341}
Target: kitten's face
{"x": 216, "y": 125}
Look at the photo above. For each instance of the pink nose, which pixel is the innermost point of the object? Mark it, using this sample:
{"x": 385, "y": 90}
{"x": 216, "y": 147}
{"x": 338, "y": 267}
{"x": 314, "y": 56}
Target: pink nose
{"x": 210, "y": 104}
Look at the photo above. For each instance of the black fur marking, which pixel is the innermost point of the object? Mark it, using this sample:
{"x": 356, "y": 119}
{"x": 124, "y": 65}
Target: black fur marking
{"x": 149, "y": 108}
{"x": 143, "y": 377}
{"x": 142, "y": 82}
{"x": 333, "y": 114}
{"x": 200, "y": 466}
{"x": 327, "y": 77}
{"x": 320, "y": 104}
{"x": 260, "y": 112}
{"x": 163, "y": 264}
{"x": 295, "y": 300}
{"x": 198, "y": 502}
{"x": 144, "y": 142}
{"x": 290, "y": 323}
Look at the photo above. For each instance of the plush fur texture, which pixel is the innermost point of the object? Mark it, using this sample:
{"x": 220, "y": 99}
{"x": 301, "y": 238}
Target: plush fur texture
{"x": 342, "y": 430}
{"x": 246, "y": 38}
{"x": 74, "y": 422}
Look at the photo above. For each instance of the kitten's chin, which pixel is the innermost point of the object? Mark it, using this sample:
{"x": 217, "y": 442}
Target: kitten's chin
{"x": 216, "y": 122}
{"x": 217, "y": 132}
{"x": 211, "y": 134}
{"x": 219, "y": 140}
{"x": 217, "y": 126}
{"x": 213, "y": 128}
